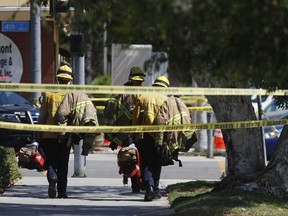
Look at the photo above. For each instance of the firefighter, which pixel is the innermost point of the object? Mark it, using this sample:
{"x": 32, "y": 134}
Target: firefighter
{"x": 144, "y": 113}
{"x": 77, "y": 109}
{"x": 173, "y": 112}
{"x": 56, "y": 152}
{"x": 118, "y": 112}
{"x": 161, "y": 81}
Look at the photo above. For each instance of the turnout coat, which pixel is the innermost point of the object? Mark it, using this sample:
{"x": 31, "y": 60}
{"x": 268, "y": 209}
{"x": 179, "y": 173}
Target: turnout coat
{"x": 174, "y": 112}
{"x": 77, "y": 109}
{"x": 118, "y": 112}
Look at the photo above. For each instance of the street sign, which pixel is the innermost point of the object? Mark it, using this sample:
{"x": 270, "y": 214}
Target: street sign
{"x": 15, "y": 26}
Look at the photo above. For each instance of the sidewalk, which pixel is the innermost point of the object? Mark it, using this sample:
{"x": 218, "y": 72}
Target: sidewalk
{"x": 102, "y": 191}
{"x": 88, "y": 196}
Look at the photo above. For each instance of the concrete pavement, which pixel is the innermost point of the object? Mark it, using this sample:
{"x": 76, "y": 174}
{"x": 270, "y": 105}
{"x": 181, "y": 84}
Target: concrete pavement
{"x": 87, "y": 196}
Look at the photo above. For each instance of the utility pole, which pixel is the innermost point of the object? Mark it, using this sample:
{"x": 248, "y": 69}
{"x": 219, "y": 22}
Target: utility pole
{"x": 35, "y": 45}
{"x": 78, "y": 67}
{"x": 104, "y": 50}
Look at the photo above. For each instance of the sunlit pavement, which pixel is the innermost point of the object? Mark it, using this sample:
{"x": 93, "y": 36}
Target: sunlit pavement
{"x": 101, "y": 192}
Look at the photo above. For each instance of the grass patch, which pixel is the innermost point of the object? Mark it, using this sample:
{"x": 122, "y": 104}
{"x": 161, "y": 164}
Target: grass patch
{"x": 196, "y": 198}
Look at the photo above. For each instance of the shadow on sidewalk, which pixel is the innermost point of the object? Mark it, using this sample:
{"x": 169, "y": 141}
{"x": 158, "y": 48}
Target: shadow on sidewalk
{"x": 83, "y": 200}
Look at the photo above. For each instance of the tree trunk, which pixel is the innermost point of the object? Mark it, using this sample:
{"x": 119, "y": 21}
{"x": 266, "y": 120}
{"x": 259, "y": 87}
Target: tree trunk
{"x": 202, "y": 144}
{"x": 274, "y": 178}
{"x": 244, "y": 148}
{"x": 88, "y": 63}
{"x": 245, "y": 152}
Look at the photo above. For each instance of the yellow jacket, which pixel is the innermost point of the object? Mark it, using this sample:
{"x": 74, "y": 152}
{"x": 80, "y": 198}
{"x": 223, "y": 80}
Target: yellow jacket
{"x": 118, "y": 111}
{"x": 146, "y": 109}
{"x": 175, "y": 112}
{"x": 48, "y": 109}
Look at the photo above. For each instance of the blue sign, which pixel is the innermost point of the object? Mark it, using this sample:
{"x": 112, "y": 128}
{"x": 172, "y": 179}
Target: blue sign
{"x": 14, "y": 26}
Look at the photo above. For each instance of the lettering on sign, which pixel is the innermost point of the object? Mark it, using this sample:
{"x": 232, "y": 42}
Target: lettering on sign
{"x": 11, "y": 64}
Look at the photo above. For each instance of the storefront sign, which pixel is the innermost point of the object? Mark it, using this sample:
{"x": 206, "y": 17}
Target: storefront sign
{"x": 11, "y": 63}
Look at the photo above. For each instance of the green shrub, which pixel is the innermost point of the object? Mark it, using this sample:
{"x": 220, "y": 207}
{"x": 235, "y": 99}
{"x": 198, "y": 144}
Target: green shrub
{"x": 102, "y": 80}
{"x": 9, "y": 171}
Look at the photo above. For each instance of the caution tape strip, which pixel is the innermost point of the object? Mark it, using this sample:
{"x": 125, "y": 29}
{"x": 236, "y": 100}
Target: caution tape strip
{"x": 189, "y": 99}
{"x": 93, "y": 89}
{"x": 99, "y": 99}
{"x": 144, "y": 128}
{"x": 204, "y": 108}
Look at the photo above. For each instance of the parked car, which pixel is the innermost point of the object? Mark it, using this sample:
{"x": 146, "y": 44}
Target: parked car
{"x": 14, "y": 107}
{"x": 272, "y": 107}
{"x": 266, "y": 100}
{"x": 270, "y": 132}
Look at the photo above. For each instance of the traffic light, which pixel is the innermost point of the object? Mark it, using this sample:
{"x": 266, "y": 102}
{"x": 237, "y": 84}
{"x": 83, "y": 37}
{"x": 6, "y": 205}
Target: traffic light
{"x": 59, "y": 7}
{"x": 77, "y": 43}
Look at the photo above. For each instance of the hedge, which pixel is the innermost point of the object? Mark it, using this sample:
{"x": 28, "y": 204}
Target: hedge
{"x": 9, "y": 171}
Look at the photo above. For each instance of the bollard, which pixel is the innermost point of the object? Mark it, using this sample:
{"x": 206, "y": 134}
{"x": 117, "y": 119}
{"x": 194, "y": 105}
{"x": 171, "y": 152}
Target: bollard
{"x": 79, "y": 161}
{"x": 210, "y": 137}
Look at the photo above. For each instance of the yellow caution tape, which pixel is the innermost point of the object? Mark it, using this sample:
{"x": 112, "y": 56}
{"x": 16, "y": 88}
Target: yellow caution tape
{"x": 93, "y": 89}
{"x": 137, "y": 129}
{"x": 100, "y": 107}
{"x": 194, "y": 97}
{"x": 203, "y": 108}
{"x": 187, "y": 99}
{"x": 195, "y": 101}
{"x": 99, "y": 99}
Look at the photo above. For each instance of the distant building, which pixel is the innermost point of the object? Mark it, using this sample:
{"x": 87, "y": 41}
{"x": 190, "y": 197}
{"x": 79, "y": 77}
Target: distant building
{"x": 125, "y": 57}
{"x": 15, "y": 46}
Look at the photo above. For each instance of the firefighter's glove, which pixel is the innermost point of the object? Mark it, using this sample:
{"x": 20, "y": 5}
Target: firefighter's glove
{"x": 113, "y": 146}
{"x": 158, "y": 150}
{"x": 88, "y": 140}
{"x": 62, "y": 138}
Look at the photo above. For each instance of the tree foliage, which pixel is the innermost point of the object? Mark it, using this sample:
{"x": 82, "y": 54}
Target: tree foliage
{"x": 248, "y": 40}
{"x": 231, "y": 40}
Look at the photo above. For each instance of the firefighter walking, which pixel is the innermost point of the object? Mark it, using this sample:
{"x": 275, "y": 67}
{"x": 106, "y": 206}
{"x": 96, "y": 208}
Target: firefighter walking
{"x": 56, "y": 151}
{"x": 118, "y": 112}
{"x": 145, "y": 112}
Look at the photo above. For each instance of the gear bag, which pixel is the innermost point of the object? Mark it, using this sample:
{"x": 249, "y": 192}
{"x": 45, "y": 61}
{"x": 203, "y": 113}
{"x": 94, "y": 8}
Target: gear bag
{"x": 167, "y": 157}
{"x": 30, "y": 158}
{"x": 129, "y": 161}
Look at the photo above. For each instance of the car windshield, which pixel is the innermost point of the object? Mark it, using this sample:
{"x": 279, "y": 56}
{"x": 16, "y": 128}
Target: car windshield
{"x": 12, "y": 98}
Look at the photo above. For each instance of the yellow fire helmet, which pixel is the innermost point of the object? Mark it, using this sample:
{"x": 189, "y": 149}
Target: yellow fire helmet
{"x": 137, "y": 74}
{"x": 161, "y": 81}
{"x": 65, "y": 72}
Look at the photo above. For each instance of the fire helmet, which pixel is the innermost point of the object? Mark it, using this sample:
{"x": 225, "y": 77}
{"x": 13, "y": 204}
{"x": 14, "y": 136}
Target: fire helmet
{"x": 64, "y": 72}
{"x": 137, "y": 74}
{"x": 161, "y": 81}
